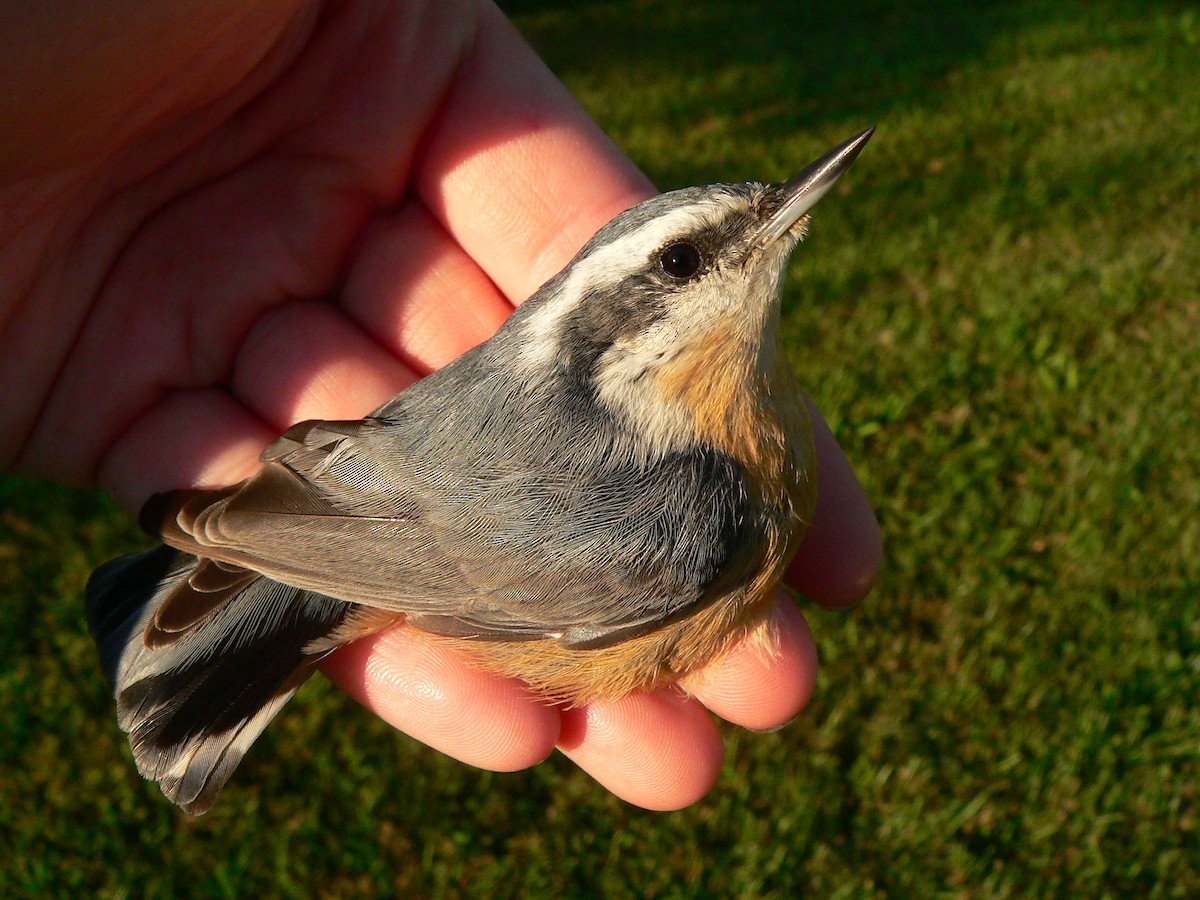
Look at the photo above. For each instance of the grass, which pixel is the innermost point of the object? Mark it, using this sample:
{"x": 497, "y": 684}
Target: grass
{"x": 1000, "y": 314}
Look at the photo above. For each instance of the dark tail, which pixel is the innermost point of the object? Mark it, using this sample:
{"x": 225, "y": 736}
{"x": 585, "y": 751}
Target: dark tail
{"x": 201, "y": 656}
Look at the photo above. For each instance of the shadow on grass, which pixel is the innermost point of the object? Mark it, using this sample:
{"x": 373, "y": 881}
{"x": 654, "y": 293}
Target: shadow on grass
{"x": 777, "y": 70}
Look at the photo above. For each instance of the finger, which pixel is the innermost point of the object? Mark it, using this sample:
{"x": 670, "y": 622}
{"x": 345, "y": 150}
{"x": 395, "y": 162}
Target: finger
{"x": 765, "y": 680}
{"x": 300, "y": 360}
{"x": 429, "y": 692}
{"x": 418, "y": 293}
{"x": 659, "y": 750}
{"x": 195, "y": 437}
{"x": 515, "y": 169}
{"x": 839, "y": 559}
{"x": 306, "y": 360}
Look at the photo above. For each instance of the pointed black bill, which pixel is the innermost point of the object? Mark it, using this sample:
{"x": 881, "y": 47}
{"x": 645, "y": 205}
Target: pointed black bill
{"x": 802, "y": 191}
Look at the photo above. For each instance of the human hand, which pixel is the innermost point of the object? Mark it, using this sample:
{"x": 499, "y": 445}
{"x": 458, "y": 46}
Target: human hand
{"x": 251, "y": 218}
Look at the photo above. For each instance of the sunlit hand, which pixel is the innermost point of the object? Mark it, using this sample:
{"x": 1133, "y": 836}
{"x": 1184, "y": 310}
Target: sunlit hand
{"x": 219, "y": 219}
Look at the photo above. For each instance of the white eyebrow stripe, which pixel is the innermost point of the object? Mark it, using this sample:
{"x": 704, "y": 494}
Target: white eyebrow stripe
{"x": 605, "y": 265}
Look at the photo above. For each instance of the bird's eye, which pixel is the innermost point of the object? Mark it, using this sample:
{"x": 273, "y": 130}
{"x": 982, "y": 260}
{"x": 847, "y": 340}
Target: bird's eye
{"x": 681, "y": 260}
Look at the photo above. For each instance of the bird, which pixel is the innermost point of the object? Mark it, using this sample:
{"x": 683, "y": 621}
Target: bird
{"x": 599, "y": 499}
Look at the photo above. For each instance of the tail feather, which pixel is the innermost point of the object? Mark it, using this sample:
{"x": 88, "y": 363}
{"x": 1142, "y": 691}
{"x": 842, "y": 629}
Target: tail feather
{"x": 194, "y": 700}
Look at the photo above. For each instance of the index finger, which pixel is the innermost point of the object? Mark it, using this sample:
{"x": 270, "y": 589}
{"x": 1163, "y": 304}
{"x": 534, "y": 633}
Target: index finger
{"x": 514, "y": 168}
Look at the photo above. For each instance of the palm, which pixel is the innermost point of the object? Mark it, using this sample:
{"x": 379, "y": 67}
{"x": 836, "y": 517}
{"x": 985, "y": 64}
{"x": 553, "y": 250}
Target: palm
{"x": 359, "y": 205}
{"x": 286, "y": 258}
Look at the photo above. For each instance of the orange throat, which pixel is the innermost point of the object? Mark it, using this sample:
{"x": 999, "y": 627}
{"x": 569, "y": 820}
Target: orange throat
{"x": 748, "y": 404}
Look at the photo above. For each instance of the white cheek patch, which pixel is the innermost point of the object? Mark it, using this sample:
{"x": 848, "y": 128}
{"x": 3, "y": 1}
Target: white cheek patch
{"x": 625, "y": 384}
{"x": 605, "y": 266}
{"x": 626, "y": 373}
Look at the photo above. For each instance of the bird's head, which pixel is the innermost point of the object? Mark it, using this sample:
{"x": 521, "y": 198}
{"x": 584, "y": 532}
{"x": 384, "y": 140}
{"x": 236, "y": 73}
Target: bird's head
{"x": 671, "y": 311}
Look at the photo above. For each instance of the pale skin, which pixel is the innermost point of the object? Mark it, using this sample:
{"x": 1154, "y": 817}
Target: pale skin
{"x": 220, "y": 218}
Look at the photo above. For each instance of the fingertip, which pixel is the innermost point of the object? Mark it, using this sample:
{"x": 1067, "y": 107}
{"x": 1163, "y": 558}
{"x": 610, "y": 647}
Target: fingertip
{"x": 431, "y": 693}
{"x": 767, "y": 678}
{"x": 659, "y": 750}
{"x": 839, "y": 560}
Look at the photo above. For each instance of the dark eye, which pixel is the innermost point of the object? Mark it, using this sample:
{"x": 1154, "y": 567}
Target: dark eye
{"x": 680, "y": 260}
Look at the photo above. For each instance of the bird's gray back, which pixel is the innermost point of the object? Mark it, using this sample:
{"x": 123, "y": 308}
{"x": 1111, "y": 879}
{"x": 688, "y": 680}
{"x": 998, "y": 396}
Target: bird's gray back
{"x": 502, "y": 509}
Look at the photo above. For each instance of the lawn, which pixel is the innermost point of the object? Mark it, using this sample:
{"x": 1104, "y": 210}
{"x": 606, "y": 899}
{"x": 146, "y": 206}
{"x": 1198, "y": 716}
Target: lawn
{"x": 999, "y": 312}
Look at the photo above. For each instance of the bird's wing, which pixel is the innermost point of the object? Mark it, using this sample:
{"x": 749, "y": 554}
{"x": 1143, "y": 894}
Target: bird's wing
{"x": 492, "y": 544}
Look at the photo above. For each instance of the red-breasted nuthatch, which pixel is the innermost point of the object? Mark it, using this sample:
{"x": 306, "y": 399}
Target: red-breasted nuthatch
{"x": 600, "y": 498}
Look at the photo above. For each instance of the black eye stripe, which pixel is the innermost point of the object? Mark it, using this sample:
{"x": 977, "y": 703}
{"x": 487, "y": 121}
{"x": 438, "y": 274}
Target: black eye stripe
{"x": 681, "y": 260}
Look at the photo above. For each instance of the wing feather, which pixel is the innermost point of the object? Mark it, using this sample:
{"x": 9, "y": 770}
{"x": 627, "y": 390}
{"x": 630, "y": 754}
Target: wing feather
{"x": 482, "y": 531}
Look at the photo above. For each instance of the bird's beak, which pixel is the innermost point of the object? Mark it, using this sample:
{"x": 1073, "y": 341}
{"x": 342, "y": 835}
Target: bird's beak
{"x": 801, "y": 192}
